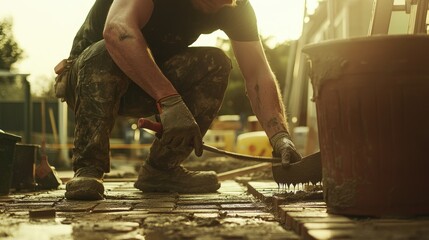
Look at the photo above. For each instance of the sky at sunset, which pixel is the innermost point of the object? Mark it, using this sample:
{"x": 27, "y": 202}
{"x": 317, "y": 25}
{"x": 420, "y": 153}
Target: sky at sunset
{"x": 45, "y": 28}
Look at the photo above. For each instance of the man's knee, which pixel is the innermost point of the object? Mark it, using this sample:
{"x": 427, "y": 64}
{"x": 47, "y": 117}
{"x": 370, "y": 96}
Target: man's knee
{"x": 218, "y": 59}
{"x": 218, "y": 68}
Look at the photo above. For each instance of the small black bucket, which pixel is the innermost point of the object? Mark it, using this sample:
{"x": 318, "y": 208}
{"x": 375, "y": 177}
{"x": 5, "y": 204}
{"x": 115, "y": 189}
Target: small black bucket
{"x": 7, "y": 150}
{"x": 24, "y": 166}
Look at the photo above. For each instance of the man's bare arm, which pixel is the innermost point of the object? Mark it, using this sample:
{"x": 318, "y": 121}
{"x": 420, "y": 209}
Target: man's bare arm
{"x": 261, "y": 86}
{"x": 128, "y": 48}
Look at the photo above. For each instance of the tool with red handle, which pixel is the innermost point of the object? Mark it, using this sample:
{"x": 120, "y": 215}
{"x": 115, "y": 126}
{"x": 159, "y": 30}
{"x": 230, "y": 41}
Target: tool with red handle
{"x": 157, "y": 127}
{"x": 309, "y": 169}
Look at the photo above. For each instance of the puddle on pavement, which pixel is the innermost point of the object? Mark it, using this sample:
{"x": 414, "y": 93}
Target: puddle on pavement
{"x": 107, "y": 230}
{"x": 40, "y": 231}
{"x": 53, "y": 228}
{"x": 191, "y": 227}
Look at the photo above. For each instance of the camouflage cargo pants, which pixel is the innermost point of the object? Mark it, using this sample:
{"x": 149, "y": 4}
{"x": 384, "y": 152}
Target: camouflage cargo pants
{"x": 99, "y": 91}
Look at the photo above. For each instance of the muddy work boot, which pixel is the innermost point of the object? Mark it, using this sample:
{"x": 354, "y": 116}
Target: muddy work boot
{"x": 178, "y": 179}
{"x": 87, "y": 184}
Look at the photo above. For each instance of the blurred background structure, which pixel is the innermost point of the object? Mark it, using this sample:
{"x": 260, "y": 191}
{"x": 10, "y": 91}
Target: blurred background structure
{"x": 316, "y": 20}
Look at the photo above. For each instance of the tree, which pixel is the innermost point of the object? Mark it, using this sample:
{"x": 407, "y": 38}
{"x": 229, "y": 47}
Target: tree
{"x": 236, "y": 101}
{"x": 10, "y": 52}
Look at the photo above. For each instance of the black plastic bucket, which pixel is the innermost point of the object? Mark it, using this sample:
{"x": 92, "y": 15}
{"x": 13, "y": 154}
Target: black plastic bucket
{"x": 24, "y": 166}
{"x": 7, "y": 150}
{"x": 372, "y": 105}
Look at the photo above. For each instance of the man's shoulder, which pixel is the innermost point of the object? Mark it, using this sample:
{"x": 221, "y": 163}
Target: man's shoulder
{"x": 239, "y": 22}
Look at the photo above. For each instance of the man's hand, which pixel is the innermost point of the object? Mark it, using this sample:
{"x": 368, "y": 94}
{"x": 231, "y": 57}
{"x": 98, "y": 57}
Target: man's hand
{"x": 283, "y": 147}
{"x": 180, "y": 130}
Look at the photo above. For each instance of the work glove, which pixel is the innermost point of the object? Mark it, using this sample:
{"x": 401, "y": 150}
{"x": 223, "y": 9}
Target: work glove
{"x": 284, "y": 148}
{"x": 180, "y": 130}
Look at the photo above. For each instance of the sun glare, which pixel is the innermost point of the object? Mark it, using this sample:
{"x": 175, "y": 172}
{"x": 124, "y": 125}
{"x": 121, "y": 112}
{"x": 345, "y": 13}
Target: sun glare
{"x": 46, "y": 33}
{"x": 279, "y": 19}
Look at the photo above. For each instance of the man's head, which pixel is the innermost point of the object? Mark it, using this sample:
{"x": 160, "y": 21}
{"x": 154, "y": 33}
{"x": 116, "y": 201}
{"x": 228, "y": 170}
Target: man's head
{"x": 212, "y": 6}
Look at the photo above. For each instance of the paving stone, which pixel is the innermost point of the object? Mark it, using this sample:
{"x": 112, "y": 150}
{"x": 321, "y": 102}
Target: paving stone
{"x": 126, "y": 189}
{"x": 42, "y": 213}
{"x": 70, "y": 217}
{"x": 198, "y": 202}
{"x": 200, "y": 196}
{"x": 123, "y": 195}
{"x": 282, "y": 210}
{"x": 297, "y": 223}
{"x": 206, "y": 215}
{"x": 232, "y": 206}
{"x": 131, "y": 216}
{"x": 231, "y": 186}
{"x": 127, "y": 212}
{"x": 160, "y": 195}
{"x": 308, "y": 204}
{"x": 292, "y": 218}
{"x": 160, "y": 210}
{"x": 214, "y": 197}
{"x": 209, "y": 206}
{"x": 38, "y": 199}
{"x": 238, "y": 193}
{"x": 112, "y": 206}
{"x": 164, "y": 220}
{"x": 325, "y": 234}
{"x": 7, "y": 199}
{"x": 195, "y": 211}
{"x": 153, "y": 203}
{"x": 263, "y": 185}
{"x": 249, "y": 214}
{"x": 13, "y": 207}
{"x": 214, "y": 201}
{"x": 75, "y": 206}
{"x": 306, "y": 214}
{"x": 306, "y": 227}
{"x": 283, "y": 236}
{"x": 279, "y": 201}
{"x": 232, "y": 213}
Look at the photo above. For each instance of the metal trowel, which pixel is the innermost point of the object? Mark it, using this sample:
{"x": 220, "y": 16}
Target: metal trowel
{"x": 309, "y": 169}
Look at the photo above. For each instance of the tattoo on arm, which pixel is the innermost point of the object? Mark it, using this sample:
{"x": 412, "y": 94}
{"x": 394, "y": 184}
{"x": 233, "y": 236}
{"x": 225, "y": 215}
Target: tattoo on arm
{"x": 275, "y": 124}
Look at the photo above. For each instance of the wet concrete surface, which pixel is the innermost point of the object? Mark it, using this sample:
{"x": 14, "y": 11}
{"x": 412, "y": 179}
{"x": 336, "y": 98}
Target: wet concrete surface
{"x": 239, "y": 210}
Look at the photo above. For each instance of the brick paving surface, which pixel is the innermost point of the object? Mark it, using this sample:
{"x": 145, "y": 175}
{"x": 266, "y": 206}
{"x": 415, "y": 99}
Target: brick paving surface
{"x": 249, "y": 210}
{"x": 309, "y": 219}
{"x": 127, "y": 213}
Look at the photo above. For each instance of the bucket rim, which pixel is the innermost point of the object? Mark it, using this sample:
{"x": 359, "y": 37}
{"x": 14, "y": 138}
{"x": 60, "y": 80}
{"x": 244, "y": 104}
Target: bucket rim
{"x": 9, "y": 136}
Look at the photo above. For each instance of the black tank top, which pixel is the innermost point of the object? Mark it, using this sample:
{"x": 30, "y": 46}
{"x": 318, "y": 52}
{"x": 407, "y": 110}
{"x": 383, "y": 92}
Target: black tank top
{"x": 173, "y": 26}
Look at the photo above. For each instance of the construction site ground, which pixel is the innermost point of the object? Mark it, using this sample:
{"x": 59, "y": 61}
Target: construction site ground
{"x": 246, "y": 207}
